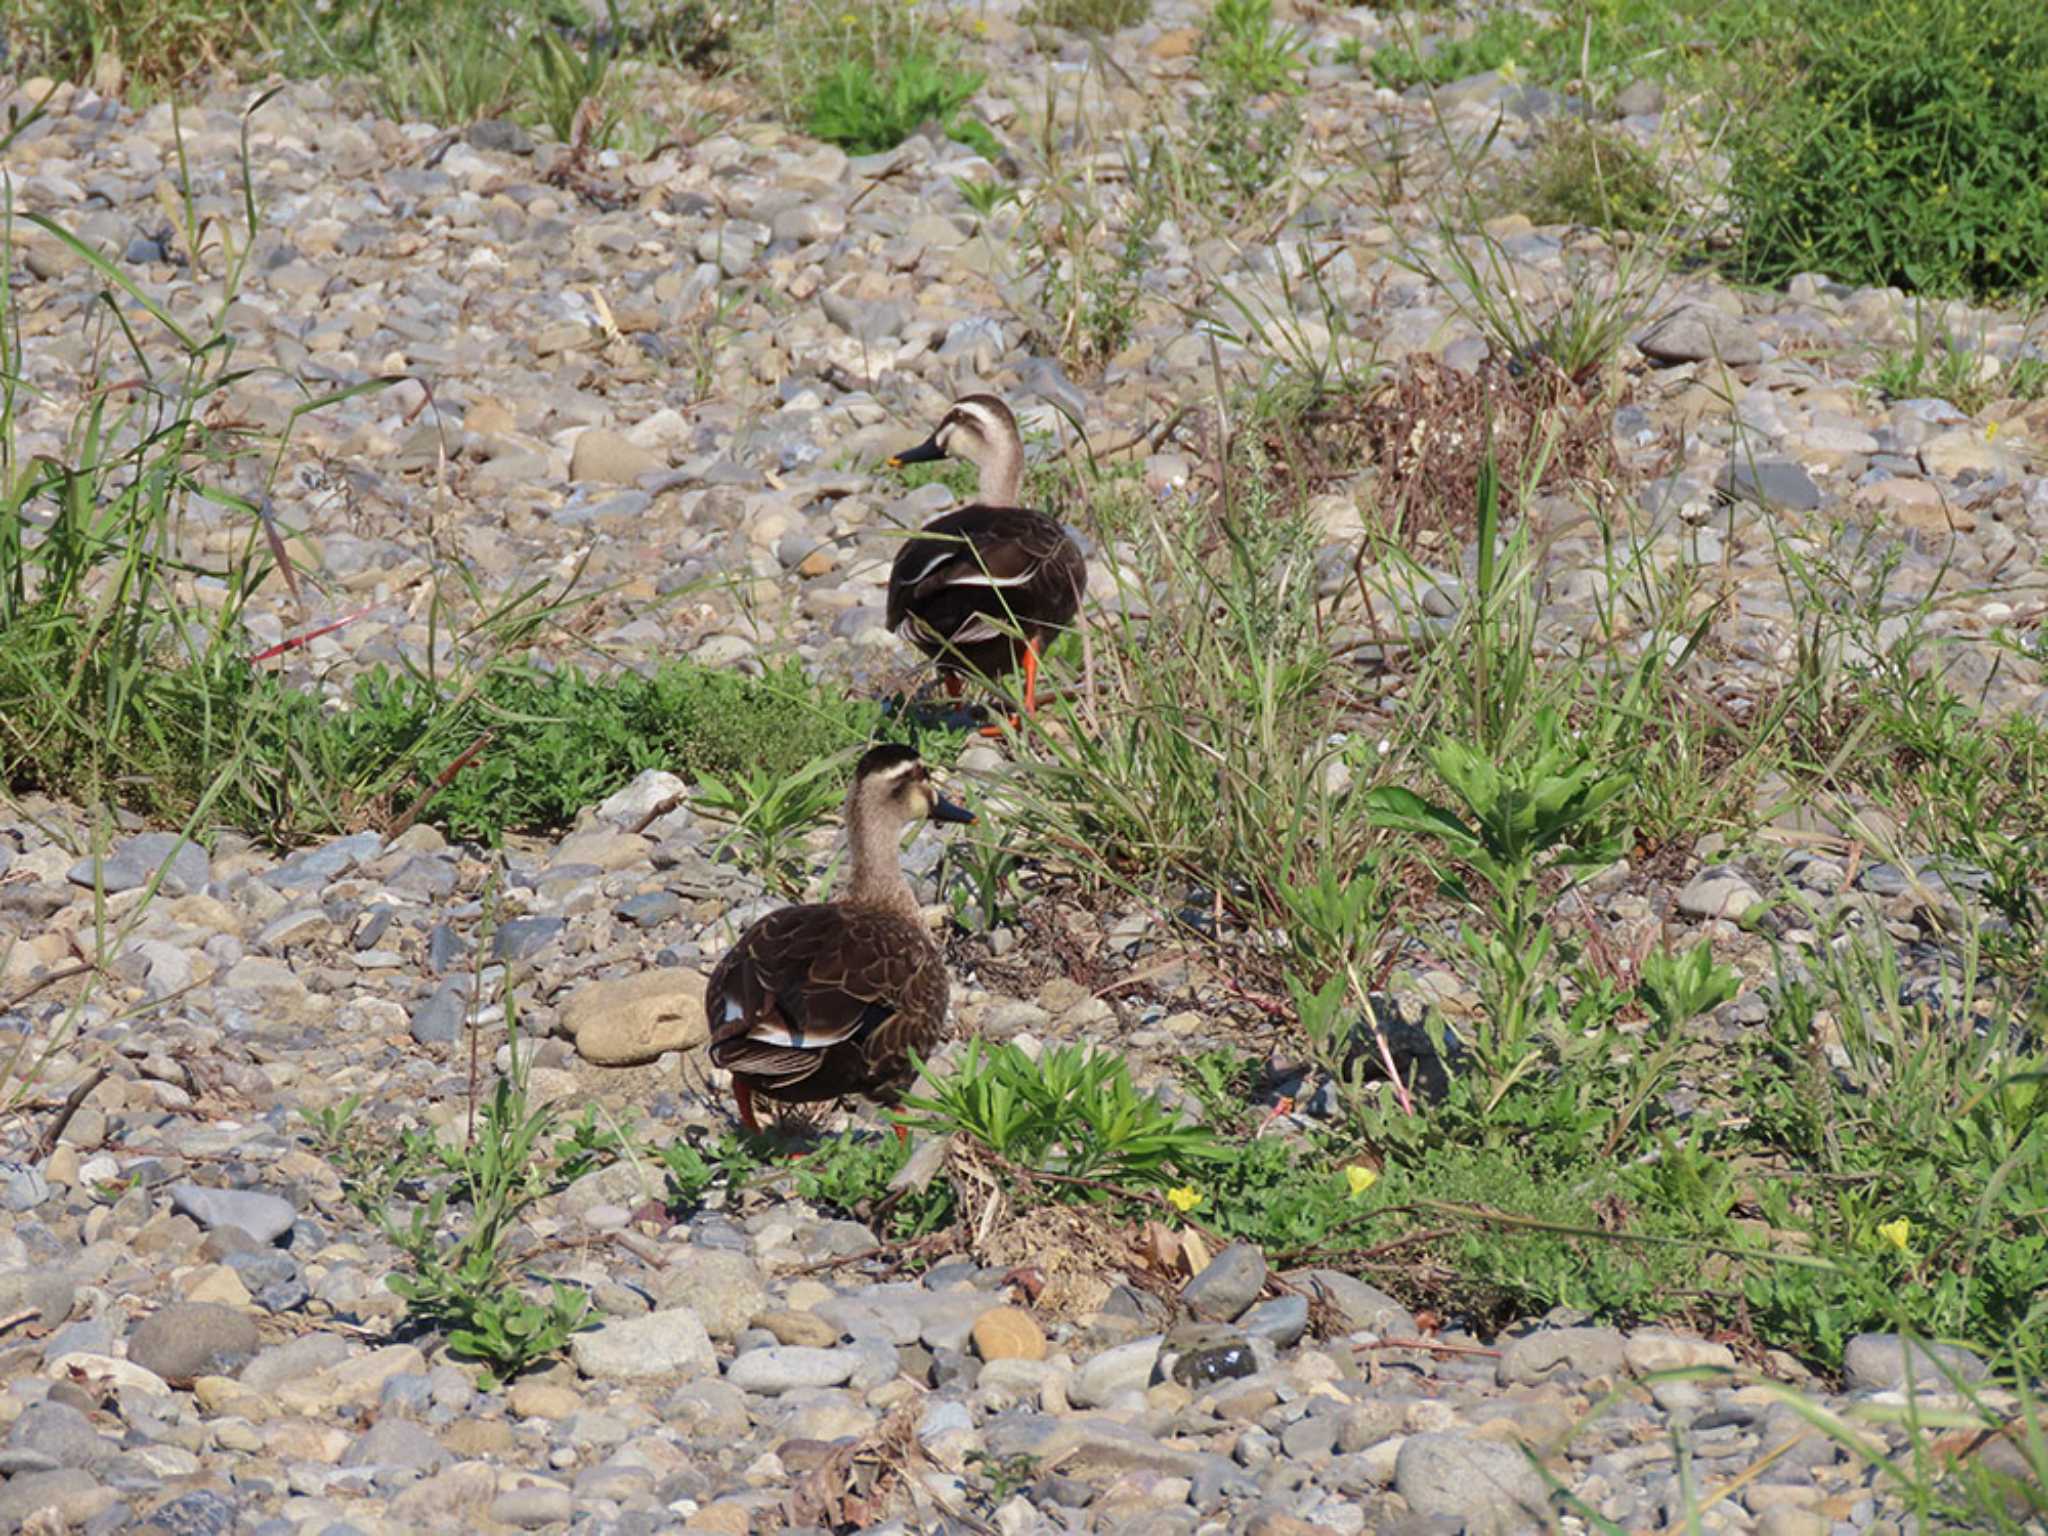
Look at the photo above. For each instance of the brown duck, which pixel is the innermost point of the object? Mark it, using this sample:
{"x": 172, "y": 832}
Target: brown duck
{"x": 984, "y": 589}
{"x": 831, "y": 998}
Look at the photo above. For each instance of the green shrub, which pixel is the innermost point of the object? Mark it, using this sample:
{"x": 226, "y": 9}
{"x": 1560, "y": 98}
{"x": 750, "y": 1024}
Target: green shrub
{"x": 1911, "y": 150}
{"x": 867, "y": 111}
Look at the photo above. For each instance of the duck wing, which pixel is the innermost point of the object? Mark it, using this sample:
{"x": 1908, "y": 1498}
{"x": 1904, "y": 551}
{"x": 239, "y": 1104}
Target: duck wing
{"x": 971, "y": 568}
{"x": 822, "y": 989}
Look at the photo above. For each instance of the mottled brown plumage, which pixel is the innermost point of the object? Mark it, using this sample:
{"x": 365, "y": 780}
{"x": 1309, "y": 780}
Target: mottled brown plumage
{"x": 831, "y": 998}
{"x": 987, "y": 588}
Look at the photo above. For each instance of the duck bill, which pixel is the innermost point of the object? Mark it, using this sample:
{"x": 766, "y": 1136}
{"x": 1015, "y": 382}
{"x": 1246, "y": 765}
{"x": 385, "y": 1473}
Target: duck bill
{"x": 926, "y": 452}
{"x": 950, "y": 810}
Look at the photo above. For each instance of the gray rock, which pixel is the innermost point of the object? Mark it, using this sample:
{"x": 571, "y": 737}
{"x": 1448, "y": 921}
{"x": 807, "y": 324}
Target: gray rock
{"x": 1228, "y": 1283}
{"x": 949, "y": 1316}
{"x": 1281, "y": 1321}
{"x": 500, "y": 135}
{"x": 1883, "y": 1361}
{"x": 1493, "y": 1488}
{"x": 1700, "y": 333}
{"x": 783, "y": 1368}
{"x": 711, "y": 1410}
{"x": 60, "y": 1433}
{"x": 66, "y": 1489}
{"x": 533, "y": 1506}
{"x": 1081, "y": 1443}
{"x": 724, "y": 1289}
{"x": 522, "y": 938}
{"x": 1313, "y": 1438}
{"x": 264, "y": 1217}
{"x": 1124, "y": 1368}
{"x": 320, "y": 867}
{"x": 280, "y": 1363}
{"x": 193, "y": 1339}
{"x": 1364, "y": 1308}
{"x": 1716, "y": 892}
{"x": 662, "y": 1345}
{"x": 50, "y": 1291}
{"x": 273, "y": 1279}
{"x": 135, "y": 863}
{"x": 202, "y": 1512}
{"x": 394, "y": 1442}
{"x": 1556, "y": 1352}
{"x": 438, "y": 1020}
{"x": 1769, "y": 483}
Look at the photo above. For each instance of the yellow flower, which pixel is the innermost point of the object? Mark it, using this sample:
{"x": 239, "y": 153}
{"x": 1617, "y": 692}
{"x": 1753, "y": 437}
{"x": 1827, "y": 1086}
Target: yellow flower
{"x": 1990, "y": 430}
{"x": 1896, "y": 1232}
{"x": 1184, "y": 1199}
{"x": 980, "y": 27}
{"x": 1360, "y": 1178}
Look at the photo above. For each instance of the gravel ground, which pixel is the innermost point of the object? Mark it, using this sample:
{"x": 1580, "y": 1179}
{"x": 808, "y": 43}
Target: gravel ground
{"x": 198, "y": 1337}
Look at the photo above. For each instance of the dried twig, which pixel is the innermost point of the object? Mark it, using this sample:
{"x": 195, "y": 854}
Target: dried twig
{"x": 70, "y": 1107}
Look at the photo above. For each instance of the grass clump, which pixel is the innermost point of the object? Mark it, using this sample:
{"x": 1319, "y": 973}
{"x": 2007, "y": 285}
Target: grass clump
{"x": 1910, "y": 148}
{"x": 512, "y": 749}
{"x": 1958, "y": 375}
{"x": 112, "y": 44}
{"x": 1245, "y": 51}
{"x": 1578, "y": 174}
{"x": 1103, "y": 16}
{"x": 864, "y": 74}
{"x": 1506, "y": 38}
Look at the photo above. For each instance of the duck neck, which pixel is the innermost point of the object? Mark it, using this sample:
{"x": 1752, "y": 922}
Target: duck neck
{"x": 1002, "y": 473}
{"x": 874, "y": 877}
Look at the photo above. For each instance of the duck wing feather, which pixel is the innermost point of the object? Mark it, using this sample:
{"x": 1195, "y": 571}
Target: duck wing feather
{"x": 827, "y": 998}
{"x": 971, "y": 571}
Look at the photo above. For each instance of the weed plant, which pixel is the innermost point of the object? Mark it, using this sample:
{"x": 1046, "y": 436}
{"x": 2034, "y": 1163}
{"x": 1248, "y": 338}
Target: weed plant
{"x": 1910, "y": 148}
{"x": 452, "y": 1212}
{"x": 1966, "y": 377}
{"x": 1245, "y": 52}
{"x": 1099, "y": 16}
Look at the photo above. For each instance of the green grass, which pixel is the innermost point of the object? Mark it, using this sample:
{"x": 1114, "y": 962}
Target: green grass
{"x": 1957, "y": 375}
{"x": 1911, "y": 148}
{"x": 1102, "y": 16}
{"x": 1577, "y": 174}
{"x": 1599, "y": 45}
{"x": 539, "y": 62}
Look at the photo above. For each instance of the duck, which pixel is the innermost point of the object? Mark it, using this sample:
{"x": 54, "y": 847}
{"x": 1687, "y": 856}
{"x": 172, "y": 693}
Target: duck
{"x": 984, "y": 589}
{"x": 831, "y": 999}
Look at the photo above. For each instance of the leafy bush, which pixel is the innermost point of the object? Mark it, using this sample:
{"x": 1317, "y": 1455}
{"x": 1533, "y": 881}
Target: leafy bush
{"x": 1912, "y": 149}
{"x": 866, "y": 110}
{"x": 1072, "y": 1112}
